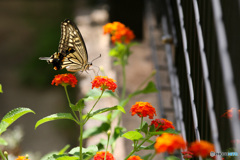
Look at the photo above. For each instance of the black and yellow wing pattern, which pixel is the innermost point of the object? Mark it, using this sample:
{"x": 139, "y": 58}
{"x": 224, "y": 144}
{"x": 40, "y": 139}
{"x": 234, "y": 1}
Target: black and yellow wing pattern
{"x": 72, "y": 53}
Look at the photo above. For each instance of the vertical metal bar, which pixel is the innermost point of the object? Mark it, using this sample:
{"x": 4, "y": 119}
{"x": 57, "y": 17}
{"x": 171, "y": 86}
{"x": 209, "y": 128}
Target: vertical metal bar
{"x": 153, "y": 46}
{"x": 188, "y": 69}
{"x": 208, "y": 90}
{"x": 177, "y": 103}
{"x": 227, "y": 72}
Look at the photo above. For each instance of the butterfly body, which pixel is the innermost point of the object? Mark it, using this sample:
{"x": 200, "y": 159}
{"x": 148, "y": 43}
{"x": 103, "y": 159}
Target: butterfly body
{"x": 72, "y": 53}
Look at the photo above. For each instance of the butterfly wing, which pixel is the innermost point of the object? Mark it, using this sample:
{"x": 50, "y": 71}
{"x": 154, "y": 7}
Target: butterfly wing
{"x": 72, "y": 47}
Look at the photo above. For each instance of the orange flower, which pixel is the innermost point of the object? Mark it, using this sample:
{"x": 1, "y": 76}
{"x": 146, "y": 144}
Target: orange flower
{"x": 143, "y": 109}
{"x": 120, "y": 33}
{"x": 22, "y": 158}
{"x": 229, "y": 112}
{"x": 101, "y": 155}
{"x": 201, "y": 148}
{"x": 187, "y": 154}
{"x": 169, "y": 143}
{"x": 65, "y": 79}
{"x": 162, "y": 124}
{"x": 134, "y": 158}
{"x": 104, "y": 83}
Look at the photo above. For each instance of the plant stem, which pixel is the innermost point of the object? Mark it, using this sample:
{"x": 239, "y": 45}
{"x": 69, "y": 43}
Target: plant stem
{"x": 124, "y": 80}
{"x": 137, "y": 147}
{"x": 141, "y": 122}
{"x": 2, "y": 155}
{"x": 81, "y": 133}
{"x": 153, "y": 155}
{"x": 146, "y": 80}
{"x": 69, "y": 102}
{"x": 87, "y": 117}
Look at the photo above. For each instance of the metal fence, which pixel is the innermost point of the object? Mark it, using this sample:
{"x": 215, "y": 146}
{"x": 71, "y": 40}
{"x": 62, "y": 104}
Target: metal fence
{"x": 203, "y": 62}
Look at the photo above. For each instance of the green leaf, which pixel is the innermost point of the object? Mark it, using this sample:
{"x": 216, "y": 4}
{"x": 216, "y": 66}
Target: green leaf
{"x": 146, "y": 157}
{"x": 144, "y": 128}
{"x": 102, "y": 110}
{"x": 150, "y": 147}
{"x": 132, "y": 135}
{"x": 95, "y": 93}
{"x": 150, "y": 88}
{"x": 1, "y": 91}
{"x": 80, "y": 104}
{"x": 49, "y": 156}
{"x": 53, "y": 117}
{"x": 12, "y": 116}
{"x": 96, "y": 130}
{"x": 172, "y": 158}
{"x": 62, "y": 151}
{"x": 65, "y": 157}
{"x": 3, "y": 142}
{"x": 100, "y": 117}
{"x": 87, "y": 152}
{"x": 169, "y": 130}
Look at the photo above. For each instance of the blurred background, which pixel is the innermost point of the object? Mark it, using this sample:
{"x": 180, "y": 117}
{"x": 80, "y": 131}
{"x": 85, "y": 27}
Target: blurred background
{"x": 166, "y": 32}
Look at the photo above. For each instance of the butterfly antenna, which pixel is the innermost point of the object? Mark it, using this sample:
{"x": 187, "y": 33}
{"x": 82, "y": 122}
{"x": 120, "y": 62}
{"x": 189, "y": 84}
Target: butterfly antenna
{"x": 94, "y": 70}
{"x": 96, "y": 58}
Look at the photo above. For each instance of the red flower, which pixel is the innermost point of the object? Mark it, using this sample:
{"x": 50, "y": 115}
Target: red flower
{"x": 22, "y": 158}
{"x": 229, "y": 112}
{"x": 104, "y": 83}
{"x": 201, "y": 148}
{"x": 120, "y": 33}
{"x": 101, "y": 155}
{"x": 134, "y": 158}
{"x": 162, "y": 124}
{"x": 169, "y": 143}
{"x": 187, "y": 154}
{"x": 65, "y": 79}
{"x": 143, "y": 109}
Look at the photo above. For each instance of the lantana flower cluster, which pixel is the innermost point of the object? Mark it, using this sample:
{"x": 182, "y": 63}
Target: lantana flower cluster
{"x": 119, "y": 32}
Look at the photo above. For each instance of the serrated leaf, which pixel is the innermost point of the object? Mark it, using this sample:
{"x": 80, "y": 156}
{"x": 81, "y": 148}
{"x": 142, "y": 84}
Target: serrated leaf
{"x": 96, "y": 130}
{"x": 53, "y": 117}
{"x": 1, "y": 91}
{"x": 132, "y": 135}
{"x": 12, "y": 116}
{"x": 3, "y": 142}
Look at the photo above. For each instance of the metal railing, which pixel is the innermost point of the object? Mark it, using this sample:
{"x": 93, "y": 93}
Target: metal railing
{"x": 204, "y": 71}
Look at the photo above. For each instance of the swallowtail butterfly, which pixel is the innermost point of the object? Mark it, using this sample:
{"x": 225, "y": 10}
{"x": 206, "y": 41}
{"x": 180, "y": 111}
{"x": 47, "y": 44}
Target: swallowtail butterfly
{"x": 72, "y": 52}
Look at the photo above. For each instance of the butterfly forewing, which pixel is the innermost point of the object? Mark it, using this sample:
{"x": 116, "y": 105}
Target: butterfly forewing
{"x": 72, "y": 52}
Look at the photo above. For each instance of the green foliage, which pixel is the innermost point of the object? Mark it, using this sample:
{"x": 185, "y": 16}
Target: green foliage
{"x": 133, "y": 135}
{"x": 3, "y": 142}
{"x": 169, "y": 130}
{"x": 1, "y": 91}
{"x": 104, "y": 127}
{"x": 12, "y": 116}
{"x": 172, "y": 158}
{"x": 95, "y": 93}
{"x": 87, "y": 152}
{"x": 53, "y": 117}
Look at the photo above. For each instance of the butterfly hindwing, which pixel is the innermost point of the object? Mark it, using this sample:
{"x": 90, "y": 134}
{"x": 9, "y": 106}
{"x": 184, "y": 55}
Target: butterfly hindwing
{"x": 72, "y": 53}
